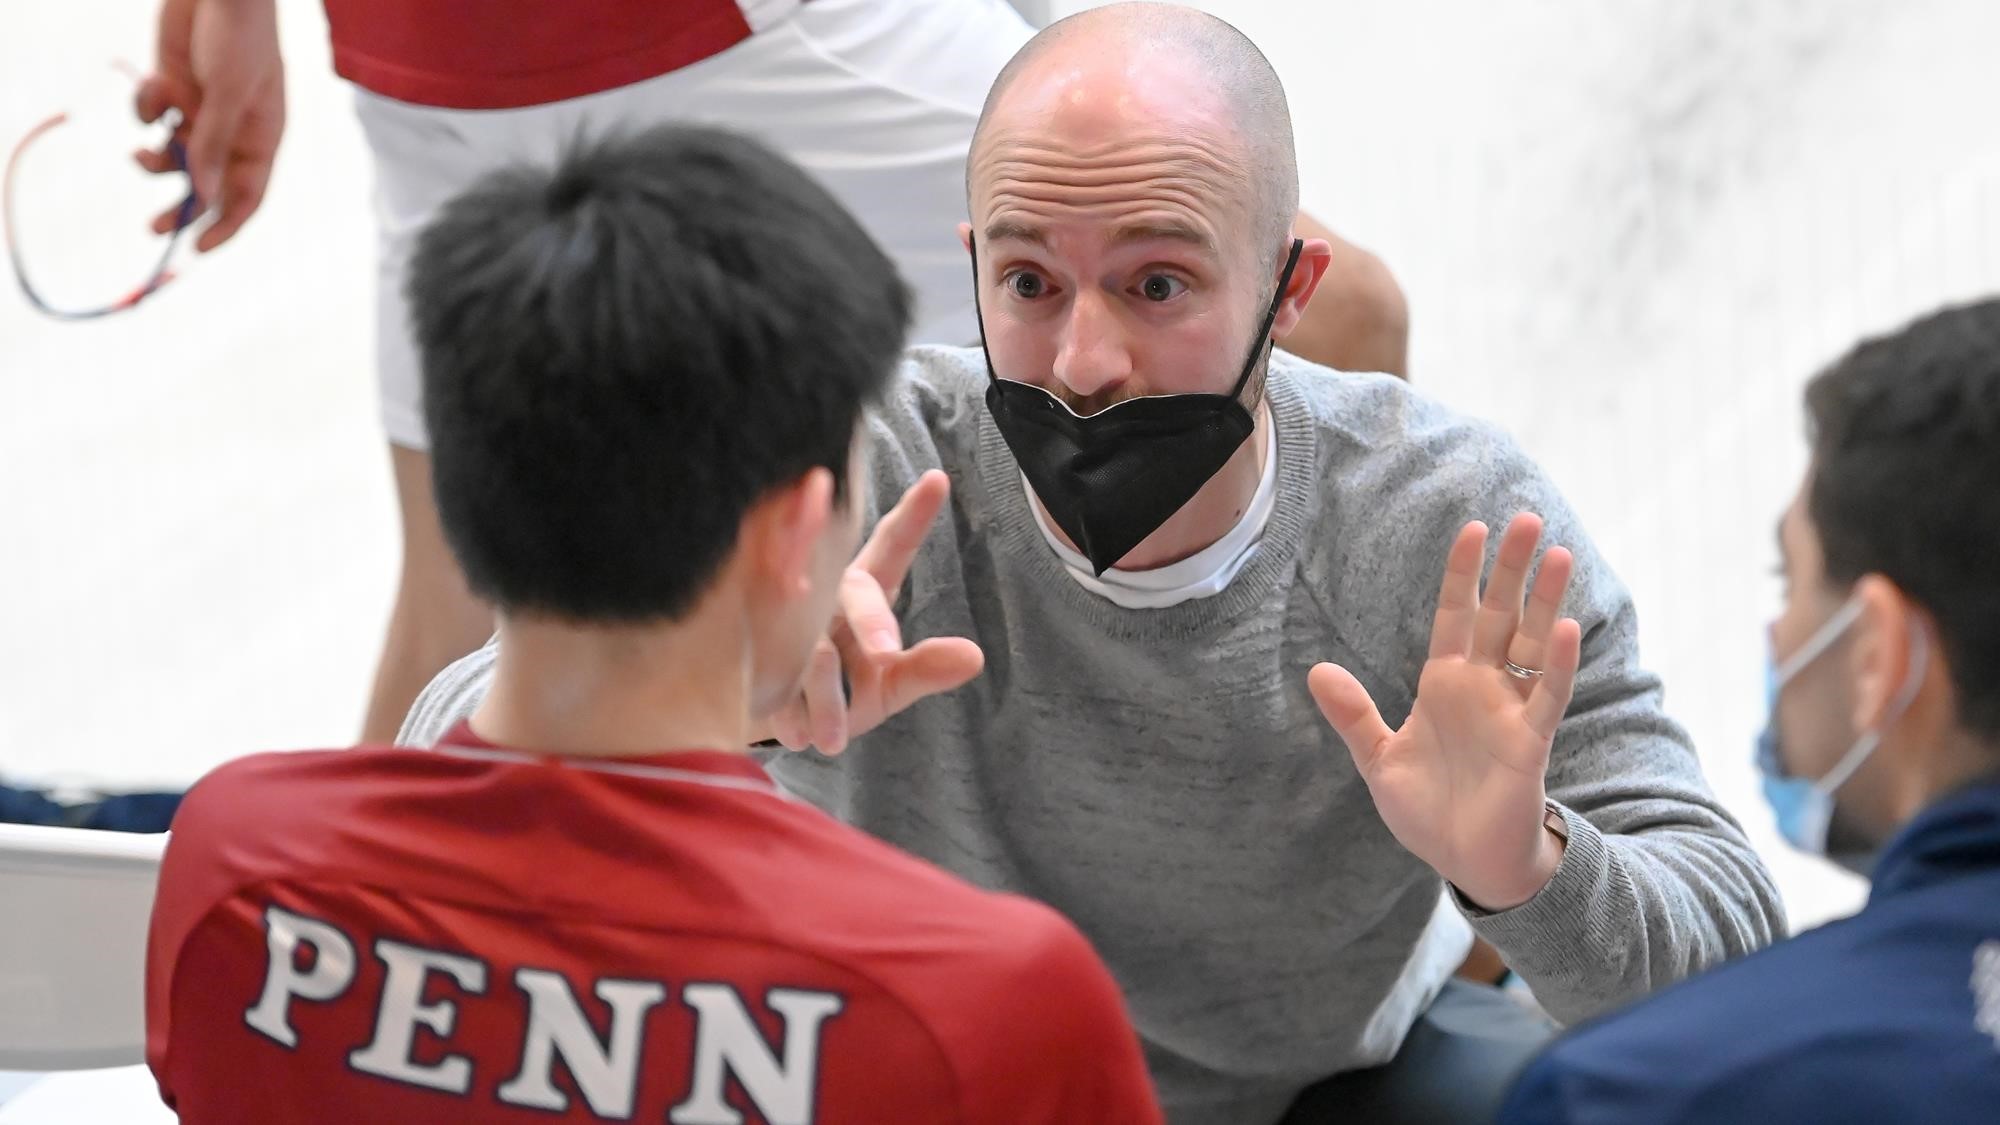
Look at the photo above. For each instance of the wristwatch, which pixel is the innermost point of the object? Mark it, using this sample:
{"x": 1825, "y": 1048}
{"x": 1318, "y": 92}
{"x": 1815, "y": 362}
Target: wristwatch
{"x": 1554, "y": 821}
{"x": 1557, "y": 826}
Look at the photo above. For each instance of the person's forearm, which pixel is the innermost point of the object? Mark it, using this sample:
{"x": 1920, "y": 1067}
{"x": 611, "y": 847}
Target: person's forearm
{"x": 1626, "y": 915}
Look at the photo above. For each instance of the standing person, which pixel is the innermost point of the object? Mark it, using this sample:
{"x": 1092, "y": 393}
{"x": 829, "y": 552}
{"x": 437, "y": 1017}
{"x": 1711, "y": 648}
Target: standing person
{"x": 590, "y": 904}
{"x": 1884, "y": 726}
{"x": 1160, "y": 534}
{"x": 876, "y": 98}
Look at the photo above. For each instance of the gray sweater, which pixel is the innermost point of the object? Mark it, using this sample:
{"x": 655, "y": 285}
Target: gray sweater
{"x": 1163, "y": 778}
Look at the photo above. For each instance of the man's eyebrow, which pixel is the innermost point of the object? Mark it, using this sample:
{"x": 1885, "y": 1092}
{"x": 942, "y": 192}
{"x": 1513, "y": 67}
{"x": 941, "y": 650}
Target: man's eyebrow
{"x": 1169, "y": 231}
{"x": 1019, "y": 232}
{"x": 1123, "y": 236}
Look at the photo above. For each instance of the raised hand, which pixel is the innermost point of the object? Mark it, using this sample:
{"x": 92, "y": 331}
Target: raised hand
{"x": 866, "y": 642}
{"x": 1461, "y": 785}
{"x": 218, "y": 66}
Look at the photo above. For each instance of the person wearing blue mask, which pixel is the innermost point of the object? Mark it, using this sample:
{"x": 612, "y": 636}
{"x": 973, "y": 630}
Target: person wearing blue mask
{"x": 1885, "y": 725}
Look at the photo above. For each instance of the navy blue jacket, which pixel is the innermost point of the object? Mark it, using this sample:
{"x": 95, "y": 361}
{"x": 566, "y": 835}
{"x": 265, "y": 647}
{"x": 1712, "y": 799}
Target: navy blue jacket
{"x": 1891, "y": 1017}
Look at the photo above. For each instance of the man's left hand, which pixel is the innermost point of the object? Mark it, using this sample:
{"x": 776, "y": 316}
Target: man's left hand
{"x": 1461, "y": 784}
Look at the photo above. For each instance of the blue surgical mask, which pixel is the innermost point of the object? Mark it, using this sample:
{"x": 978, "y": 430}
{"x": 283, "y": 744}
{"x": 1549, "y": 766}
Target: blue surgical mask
{"x": 1804, "y": 806}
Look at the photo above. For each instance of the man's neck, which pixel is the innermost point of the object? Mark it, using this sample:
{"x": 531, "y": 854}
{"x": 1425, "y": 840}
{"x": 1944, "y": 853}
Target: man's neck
{"x": 615, "y": 692}
{"x": 1963, "y": 760}
{"x": 1206, "y": 518}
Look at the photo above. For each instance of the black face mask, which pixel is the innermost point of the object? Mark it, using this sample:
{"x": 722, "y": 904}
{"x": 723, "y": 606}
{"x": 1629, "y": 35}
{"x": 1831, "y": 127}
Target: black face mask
{"x": 1111, "y": 479}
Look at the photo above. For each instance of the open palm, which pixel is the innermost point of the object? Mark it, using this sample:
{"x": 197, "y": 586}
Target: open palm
{"x": 860, "y": 674}
{"x": 1461, "y": 785}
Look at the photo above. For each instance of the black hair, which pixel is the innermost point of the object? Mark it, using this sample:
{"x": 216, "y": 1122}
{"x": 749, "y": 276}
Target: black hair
{"x": 622, "y": 354}
{"x": 1905, "y": 434}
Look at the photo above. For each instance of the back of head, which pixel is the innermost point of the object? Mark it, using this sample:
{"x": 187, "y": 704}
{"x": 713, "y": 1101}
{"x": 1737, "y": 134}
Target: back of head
{"x": 624, "y": 353}
{"x": 1178, "y": 45}
{"x": 1906, "y": 484}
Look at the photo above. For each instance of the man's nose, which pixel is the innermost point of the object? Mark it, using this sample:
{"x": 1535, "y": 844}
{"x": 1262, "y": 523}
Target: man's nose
{"x": 1094, "y": 357}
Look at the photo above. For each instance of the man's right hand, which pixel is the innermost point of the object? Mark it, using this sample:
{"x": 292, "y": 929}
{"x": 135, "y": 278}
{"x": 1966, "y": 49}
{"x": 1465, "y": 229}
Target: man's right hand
{"x": 866, "y": 641}
{"x": 218, "y": 64}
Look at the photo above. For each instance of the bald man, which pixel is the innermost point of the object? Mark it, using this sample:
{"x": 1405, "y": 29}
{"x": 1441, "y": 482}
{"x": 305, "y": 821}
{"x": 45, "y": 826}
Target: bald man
{"x": 1178, "y": 570}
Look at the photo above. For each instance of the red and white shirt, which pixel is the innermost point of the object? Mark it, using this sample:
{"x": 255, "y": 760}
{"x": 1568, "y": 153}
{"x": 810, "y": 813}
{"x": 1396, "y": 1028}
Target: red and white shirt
{"x": 483, "y": 54}
{"x": 469, "y": 934}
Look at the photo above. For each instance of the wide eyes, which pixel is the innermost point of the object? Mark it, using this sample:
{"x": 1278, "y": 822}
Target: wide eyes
{"x": 1156, "y": 288}
{"x": 1025, "y": 285}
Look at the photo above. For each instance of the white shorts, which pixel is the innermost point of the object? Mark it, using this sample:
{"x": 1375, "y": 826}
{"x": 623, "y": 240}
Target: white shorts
{"x": 876, "y": 98}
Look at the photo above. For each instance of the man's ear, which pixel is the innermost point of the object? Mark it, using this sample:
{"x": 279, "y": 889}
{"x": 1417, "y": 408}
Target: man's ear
{"x": 1314, "y": 261}
{"x": 965, "y": 236}
{"x": 1880, "y": 656}
{"x": 782, "y": 531}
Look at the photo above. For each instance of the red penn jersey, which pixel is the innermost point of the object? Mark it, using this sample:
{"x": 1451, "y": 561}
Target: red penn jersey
{"x": 471, "y": 934}
{"x": 478, "y": 54}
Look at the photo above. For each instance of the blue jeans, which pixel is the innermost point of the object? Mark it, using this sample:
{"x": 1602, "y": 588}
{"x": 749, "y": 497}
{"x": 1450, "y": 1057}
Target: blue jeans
{"x": 1455, "y": 1068}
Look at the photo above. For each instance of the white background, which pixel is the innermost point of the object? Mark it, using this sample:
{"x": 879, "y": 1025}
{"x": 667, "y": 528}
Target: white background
{"x": 1629, "y": 232}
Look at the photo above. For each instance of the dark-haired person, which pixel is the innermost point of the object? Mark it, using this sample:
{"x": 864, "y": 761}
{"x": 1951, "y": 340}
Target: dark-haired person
{"x": 645, "y": 373}
{"x": 1884, "y": 726}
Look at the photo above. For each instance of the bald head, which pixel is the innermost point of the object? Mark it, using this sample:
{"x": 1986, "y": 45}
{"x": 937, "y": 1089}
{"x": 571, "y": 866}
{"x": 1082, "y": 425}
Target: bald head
{"x": 1184, "y": 70}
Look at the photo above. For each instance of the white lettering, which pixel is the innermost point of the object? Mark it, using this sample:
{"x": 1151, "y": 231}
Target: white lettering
{"x": 402, "y": 1010}
{"x": 1986, "y": 988}
{"x": 332, "y": 970}
{"x": 727, "y": 1040}
{"x": 609, "y": 1076}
